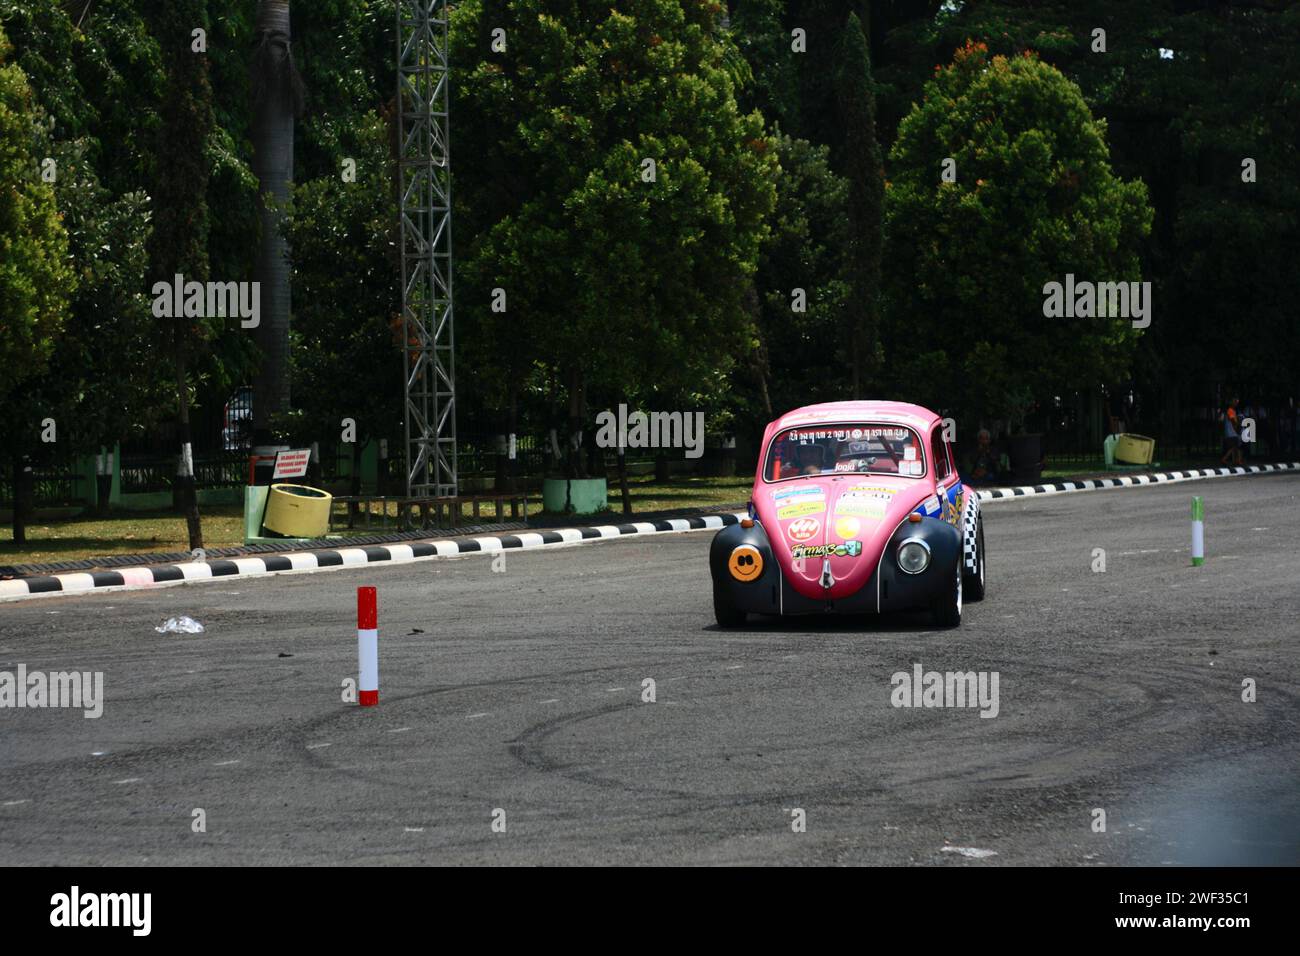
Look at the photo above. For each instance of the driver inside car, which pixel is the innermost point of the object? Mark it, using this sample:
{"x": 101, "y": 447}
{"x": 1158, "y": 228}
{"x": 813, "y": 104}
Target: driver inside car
{"x": 808, "y": 460}
{"x": 863, "y": 456}
{"x": 887, "y": 460}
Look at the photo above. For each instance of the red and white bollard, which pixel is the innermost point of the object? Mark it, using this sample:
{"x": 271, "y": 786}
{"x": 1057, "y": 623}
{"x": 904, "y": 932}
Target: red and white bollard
{"x": 367, "y": 648}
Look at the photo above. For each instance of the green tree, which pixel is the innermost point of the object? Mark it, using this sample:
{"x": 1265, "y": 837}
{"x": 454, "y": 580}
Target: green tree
{"x": 761, "y": 34}
{"x": 800, "y": 359}
{"x": 1034, "y": 198}
{"x": 35, "y": 276}
{"x": 1188, "y": 92}
{"x": 833, "y": 106}
{"x": 99, "y": 77}
{"x": 104, "y": 382}
{"x": 859, "y": 161}
{"x": 619, "y": 276}
{"x": 796, "y": 88}
{"x": 1228, "y": 235}
{"x": 347, "y": 324}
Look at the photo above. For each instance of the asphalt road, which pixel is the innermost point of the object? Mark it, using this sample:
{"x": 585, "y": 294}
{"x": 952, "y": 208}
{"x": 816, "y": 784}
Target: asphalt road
{"x": 521, "y": 690}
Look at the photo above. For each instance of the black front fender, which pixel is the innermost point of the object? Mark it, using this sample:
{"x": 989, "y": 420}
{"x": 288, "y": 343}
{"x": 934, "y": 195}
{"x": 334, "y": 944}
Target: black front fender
{"x": 900, "y": 590}
{"x": 760, "y": 596}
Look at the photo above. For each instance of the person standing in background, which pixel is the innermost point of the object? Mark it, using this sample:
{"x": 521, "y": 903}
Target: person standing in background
{"x": 1231, "y": 435}
{"x": 985, "y": 465}
{"x": 1115, "y": 414}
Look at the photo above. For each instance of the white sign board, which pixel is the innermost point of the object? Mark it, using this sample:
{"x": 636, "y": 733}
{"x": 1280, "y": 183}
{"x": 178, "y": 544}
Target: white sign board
{"x": 291, "y": 464}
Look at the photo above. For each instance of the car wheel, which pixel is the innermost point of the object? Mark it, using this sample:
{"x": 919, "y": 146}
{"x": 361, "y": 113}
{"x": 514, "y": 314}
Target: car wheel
{"x": 726, "y": 613}
{"x": 974, "y": 583}
{"x": 947, "y": 609}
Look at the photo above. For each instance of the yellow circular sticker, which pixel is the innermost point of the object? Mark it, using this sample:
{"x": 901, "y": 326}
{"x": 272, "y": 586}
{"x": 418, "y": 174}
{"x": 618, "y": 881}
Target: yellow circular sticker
{"x": 847, "y": 528}
{"x": 745, "y": 563}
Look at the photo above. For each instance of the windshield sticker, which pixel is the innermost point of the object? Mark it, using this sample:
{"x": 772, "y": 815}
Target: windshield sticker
{"x": 909, "y": 453}
{"x": 846, "y": 434}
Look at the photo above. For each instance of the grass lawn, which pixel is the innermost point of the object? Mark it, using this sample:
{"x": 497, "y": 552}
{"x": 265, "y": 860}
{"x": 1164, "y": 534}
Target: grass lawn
{"x": 123, "y": 533}
{"x": 681, "y": 492}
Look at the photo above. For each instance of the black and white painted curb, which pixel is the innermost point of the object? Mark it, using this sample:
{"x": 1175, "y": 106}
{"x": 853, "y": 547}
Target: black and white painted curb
{"x": 136, "y": 578}
{"x": 306, "y": 561}
{"x": 1129, "y": 481}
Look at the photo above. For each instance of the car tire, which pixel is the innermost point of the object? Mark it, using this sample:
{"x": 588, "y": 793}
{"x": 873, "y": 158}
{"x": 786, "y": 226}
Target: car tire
{"x": 946, "y": 610}
{"x": 726, "y": 613}
{"x": 974, "y": 583}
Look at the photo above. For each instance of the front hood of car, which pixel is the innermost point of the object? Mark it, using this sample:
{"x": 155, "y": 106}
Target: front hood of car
{"x": 847, "y": 519}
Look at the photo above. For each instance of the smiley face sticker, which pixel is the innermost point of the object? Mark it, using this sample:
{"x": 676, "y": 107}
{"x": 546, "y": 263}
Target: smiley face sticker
{"x": 745, "y": 563}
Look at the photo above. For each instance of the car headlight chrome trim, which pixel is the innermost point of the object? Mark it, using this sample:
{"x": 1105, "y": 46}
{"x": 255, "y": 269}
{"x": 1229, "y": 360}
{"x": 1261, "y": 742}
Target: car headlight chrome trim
{"x": 912, "y": 546}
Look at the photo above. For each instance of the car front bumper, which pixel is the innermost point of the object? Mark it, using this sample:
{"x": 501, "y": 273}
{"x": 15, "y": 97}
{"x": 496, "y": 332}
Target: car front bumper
{"x": 888, "y": 589}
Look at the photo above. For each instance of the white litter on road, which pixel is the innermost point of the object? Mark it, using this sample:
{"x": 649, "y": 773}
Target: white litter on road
{"x": 180, "y": 625}
{"x": 970, "y": 852}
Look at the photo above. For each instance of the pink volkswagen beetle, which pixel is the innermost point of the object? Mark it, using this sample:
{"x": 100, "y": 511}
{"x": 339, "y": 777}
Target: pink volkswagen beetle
{"x": 857, "y": 508}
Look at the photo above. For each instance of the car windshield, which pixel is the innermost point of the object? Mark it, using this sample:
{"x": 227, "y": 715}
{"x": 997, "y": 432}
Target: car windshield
{"x": 836, "y": 449}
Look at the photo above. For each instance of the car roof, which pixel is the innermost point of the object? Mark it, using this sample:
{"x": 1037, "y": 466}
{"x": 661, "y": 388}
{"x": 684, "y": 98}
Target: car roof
{"x": 902, "y": 413}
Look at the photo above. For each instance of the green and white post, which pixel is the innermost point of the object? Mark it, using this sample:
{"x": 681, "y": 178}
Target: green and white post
{"x": 1198, "y": 532}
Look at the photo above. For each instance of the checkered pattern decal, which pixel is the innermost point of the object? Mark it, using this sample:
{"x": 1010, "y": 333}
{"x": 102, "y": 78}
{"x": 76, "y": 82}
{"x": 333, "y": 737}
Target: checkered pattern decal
{"x": 969, "y": 534}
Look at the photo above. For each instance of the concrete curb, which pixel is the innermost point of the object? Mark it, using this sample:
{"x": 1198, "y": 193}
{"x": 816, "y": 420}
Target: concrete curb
{"x": 1128, "y": 481}
{"x": 115, "y": 562}
{"x": 326, "y": 559}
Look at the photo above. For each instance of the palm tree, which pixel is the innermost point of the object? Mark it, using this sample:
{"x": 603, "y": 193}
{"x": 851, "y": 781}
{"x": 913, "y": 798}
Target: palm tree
{"x": 277, "y": 99}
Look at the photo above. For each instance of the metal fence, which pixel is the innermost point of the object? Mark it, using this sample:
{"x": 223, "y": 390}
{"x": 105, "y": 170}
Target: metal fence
{"x": 153, "y": 473}
{"x": 53, "y": 483}
{"x": 477, "y": 455}
{"x": 237, "y": 421}
{"x": 1184, "y": 426}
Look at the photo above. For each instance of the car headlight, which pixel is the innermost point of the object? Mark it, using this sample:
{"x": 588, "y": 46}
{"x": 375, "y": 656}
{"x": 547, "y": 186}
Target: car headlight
{"x": 913, "y": 555}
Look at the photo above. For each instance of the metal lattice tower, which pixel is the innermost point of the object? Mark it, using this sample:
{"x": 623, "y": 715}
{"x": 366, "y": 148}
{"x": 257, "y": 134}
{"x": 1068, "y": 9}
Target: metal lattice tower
{"x": 425, "y": 227}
